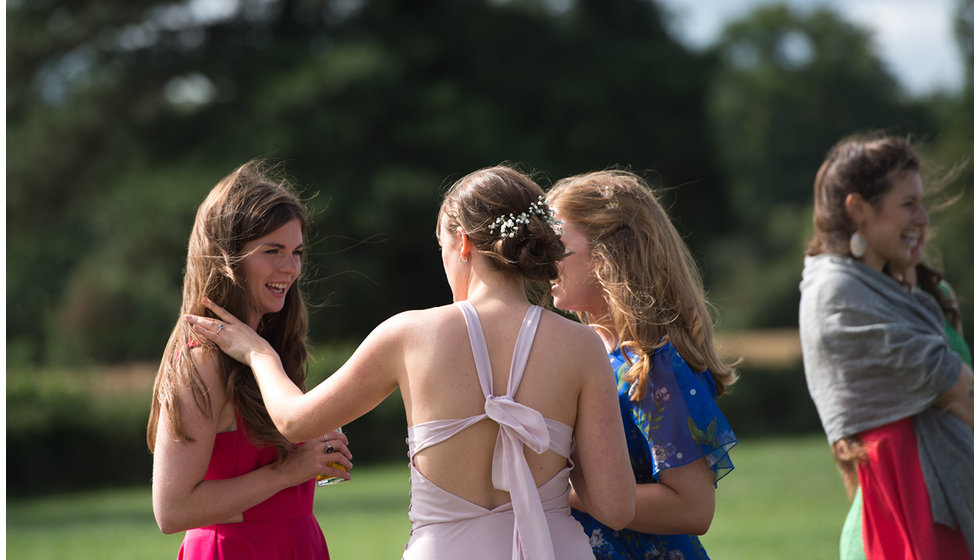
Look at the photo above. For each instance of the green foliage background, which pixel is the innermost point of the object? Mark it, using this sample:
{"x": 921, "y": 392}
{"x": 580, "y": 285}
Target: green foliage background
{"x": 121, "y": 116}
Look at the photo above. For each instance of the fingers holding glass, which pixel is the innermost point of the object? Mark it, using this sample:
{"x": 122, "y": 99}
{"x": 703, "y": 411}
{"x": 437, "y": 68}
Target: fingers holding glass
{"x": 335, "y": 446}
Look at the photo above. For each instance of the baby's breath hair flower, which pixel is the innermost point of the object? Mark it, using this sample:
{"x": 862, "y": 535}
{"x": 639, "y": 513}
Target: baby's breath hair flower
{"x": 508, "y": 225}
{"x": 553, "y": 220}
{"x": 607, "y": 193}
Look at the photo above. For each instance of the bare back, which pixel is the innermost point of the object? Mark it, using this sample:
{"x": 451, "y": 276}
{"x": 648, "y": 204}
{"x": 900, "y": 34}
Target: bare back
{"x": 441, "y": 383}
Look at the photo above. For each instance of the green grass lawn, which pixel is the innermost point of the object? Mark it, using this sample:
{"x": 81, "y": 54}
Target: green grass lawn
{"x": 783, "y": 500}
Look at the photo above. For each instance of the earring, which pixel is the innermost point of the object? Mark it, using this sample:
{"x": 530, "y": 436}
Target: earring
{"x": 859, "y": 244}
{"x": 463, "y": 260}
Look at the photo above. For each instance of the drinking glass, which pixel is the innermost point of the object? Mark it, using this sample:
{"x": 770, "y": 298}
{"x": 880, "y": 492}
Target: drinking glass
{"x": 325, "y": 480}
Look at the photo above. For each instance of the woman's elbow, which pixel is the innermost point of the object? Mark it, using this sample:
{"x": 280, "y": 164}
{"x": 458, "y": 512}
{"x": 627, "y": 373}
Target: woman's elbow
{"x": 619, "y": 519}
{"x": 700, "y": 520}
{"x": 619, "y": 513}
{"x": 290, "y": 435}
{"x": 700, "y": 526}
{"x": 170, "y": 515}
{"x": 167, "y": 529}
{"x": 290, "y": 426}
{"x": 168, "y": 524}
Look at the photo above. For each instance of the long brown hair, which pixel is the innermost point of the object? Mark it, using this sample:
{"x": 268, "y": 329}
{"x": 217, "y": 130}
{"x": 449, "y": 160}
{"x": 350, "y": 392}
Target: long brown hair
{"x": 866, "y": 164}
{"x": 650, "y": 279}
{"x": 244, "y": 206}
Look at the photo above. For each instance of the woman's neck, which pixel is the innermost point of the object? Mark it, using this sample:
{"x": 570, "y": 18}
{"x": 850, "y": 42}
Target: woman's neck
{"x": 489, "y": 284}
{"x": 508, "y": 293}
{"x": 607, "y": 333}
{"x": 254, "y": 319}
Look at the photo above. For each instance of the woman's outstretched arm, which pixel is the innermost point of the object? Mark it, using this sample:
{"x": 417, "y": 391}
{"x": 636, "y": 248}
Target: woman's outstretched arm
{"x": 370, "y": 375}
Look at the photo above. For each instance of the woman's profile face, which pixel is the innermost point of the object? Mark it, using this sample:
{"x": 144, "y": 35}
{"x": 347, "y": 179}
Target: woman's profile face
{"x": 896, "y": 228}
{"x": 577, "y": 288}
{"x": 270, "y": 268}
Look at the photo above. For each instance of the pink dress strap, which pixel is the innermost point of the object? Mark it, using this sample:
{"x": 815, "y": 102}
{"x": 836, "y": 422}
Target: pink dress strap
{"x": 520, "y": 425}
{"x": 538, "y": 519}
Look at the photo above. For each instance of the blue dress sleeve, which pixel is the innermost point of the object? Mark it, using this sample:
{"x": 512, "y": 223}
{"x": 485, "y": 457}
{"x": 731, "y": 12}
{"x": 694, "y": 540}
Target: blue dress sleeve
{"x": 680, "y": 418}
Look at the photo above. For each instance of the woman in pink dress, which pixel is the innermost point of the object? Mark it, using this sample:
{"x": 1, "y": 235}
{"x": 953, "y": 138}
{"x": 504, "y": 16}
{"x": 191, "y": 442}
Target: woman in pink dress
{"x": 222, "y": 472}
{"x": 496, "y": 390}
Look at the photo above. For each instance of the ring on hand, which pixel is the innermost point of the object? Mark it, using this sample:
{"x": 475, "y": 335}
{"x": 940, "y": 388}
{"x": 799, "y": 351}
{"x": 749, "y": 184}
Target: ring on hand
{"x": 328, "y": 449}
{"x": 220, "y": 326}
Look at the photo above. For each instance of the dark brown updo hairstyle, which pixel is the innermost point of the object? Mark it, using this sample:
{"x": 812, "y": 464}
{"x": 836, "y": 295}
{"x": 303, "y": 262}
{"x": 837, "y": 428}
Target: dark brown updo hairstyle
{"x": 476, "y": 201}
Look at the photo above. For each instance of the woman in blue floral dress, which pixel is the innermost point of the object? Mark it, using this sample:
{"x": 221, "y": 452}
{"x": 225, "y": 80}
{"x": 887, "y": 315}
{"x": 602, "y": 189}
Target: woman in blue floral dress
{"x": 630, "y": 275}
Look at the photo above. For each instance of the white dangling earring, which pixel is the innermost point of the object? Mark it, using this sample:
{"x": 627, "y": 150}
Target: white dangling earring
{"x": 859, "y": 244}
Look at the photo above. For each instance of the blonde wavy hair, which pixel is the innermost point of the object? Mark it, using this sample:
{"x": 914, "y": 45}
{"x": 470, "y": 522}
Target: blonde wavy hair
{"x": 245, "y": 205}
{"x": 651, "y": 283}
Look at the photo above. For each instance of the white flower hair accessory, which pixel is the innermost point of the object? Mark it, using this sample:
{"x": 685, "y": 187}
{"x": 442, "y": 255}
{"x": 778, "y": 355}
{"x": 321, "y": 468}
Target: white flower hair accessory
{"x": 607, "y": 193}
{"x": 508, "y": 225}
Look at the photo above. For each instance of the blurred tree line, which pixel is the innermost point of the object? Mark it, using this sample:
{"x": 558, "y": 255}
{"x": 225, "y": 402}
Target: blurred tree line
{"x": 122, "y": 114}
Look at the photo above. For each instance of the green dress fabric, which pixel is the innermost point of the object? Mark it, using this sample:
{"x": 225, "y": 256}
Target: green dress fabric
{"x": 851, "y": 541}
{"x": 958, "y": 343}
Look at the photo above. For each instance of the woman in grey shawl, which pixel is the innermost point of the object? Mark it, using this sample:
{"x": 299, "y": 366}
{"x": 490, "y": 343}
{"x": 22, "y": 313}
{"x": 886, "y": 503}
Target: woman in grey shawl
{"x": 895, "y": 400}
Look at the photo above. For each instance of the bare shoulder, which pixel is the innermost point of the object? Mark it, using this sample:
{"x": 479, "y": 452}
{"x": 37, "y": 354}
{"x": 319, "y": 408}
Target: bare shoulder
{"x": 573, "y": 331}
{"x": 206, "y": 362}
{"x": 579, "y": 343}
{"x": 423, "y": 316}
{"x": 415, "y": 324}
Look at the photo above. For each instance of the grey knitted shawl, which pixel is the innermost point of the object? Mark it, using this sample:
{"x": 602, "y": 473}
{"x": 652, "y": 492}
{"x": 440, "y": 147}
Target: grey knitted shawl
{"x": 873, "y": 354}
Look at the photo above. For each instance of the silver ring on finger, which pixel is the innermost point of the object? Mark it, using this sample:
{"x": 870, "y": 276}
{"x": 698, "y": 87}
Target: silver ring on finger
{"x": 220, "y": 326}
{"x": 328, "y": 449}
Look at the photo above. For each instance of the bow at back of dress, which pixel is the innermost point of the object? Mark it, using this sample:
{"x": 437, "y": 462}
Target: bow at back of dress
{"x": 520, "y": 426}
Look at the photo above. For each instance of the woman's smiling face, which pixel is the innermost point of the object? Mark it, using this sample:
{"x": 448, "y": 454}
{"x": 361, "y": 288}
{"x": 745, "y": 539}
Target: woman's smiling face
{"x": 271, "y": 266}
{"x": 896, "y": 228}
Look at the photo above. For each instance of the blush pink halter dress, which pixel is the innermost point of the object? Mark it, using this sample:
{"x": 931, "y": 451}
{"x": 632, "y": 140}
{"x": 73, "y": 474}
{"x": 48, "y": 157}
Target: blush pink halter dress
{"x": 537, "y": 523}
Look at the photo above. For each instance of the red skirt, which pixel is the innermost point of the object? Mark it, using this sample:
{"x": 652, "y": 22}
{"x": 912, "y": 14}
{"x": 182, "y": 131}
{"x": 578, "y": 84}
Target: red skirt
{"x": 897, "y": 519}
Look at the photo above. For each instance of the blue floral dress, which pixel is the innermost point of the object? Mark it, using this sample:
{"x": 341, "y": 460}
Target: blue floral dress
{"x": 676, "y": 423}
